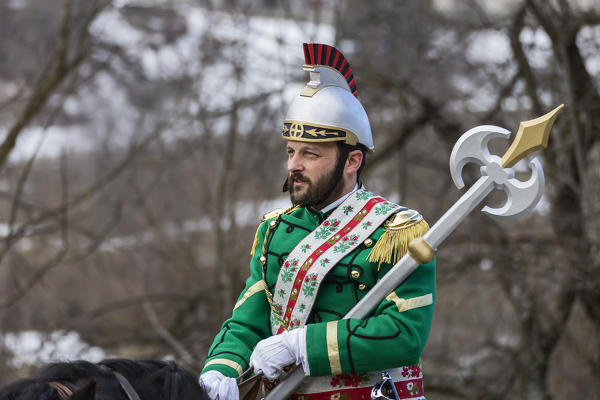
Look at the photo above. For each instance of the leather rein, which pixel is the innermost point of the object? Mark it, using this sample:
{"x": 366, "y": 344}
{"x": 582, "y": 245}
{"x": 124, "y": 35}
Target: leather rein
{"x": 65, "y": 393}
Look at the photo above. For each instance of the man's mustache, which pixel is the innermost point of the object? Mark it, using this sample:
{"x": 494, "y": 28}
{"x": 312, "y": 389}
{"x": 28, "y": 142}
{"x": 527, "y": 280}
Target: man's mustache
{"x": 296, "y": 176}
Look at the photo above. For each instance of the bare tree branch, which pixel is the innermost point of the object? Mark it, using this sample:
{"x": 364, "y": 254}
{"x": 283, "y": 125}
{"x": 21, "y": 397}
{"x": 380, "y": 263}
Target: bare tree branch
{"x": 186, "y": 357}
{"x": 63, "y": 68}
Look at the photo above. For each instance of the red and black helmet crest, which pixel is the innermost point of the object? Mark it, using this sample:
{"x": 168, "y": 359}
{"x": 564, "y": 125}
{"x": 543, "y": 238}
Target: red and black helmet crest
{"x": 323, "y": 54}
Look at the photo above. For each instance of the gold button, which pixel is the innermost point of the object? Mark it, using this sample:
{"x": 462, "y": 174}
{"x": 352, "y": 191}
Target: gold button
{"x": 368, "y": 242}
{"x": 272, "y": 224}
{"x": 362, "y": 286}
{"x": 262, "y": 260}
{"x": 355, "y": 274}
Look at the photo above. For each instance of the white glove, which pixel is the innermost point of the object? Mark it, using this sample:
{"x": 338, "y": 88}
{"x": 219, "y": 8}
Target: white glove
{"x": 273, "y": 353}
{"x": 217, "y": 384}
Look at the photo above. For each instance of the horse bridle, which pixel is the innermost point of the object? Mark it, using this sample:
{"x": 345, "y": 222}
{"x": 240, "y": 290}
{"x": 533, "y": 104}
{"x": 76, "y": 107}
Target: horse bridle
{"x": 125, "y": 385}
{"x": 65, "y": 393}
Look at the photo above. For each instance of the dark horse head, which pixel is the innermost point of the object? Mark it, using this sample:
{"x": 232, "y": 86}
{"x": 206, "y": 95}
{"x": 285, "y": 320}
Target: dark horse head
{"x": 115, "y": 379}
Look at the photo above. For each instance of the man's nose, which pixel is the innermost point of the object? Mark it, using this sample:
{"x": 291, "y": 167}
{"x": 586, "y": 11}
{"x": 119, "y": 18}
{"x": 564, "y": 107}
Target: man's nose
{"x": 295, "y": 163}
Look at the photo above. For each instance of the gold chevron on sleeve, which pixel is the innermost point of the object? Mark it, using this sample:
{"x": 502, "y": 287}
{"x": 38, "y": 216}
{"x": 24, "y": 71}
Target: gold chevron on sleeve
{"x": 333, "y": 351}
{"x": 409, "y": 304}
{"x": 224, "y": 361}
{"x": 252, "y": 290}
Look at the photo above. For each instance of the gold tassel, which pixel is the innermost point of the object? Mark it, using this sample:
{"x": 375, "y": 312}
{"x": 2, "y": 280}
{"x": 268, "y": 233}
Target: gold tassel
{"x": 393, "y": 243}
{"x": 255, "y": 243}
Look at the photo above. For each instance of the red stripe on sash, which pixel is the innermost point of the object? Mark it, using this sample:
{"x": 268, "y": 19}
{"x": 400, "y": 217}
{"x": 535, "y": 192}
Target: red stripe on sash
{"x": 341, "y": 233}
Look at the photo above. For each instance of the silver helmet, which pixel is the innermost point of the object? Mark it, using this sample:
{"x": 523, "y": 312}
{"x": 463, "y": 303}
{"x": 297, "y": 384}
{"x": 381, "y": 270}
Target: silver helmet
{"x": 327, "y": 109}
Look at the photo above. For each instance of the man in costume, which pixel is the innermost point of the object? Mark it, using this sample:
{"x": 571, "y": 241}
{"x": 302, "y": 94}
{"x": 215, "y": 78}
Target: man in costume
{"x": 311, "y": 263}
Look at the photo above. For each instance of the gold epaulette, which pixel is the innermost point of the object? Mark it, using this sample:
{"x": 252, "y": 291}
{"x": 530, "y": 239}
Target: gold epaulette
{"x": 273, "y": 214}
{"x": 400, "y": 229}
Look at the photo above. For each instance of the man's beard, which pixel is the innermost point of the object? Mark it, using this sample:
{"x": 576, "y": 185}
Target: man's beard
{"x": 316, "y": 193}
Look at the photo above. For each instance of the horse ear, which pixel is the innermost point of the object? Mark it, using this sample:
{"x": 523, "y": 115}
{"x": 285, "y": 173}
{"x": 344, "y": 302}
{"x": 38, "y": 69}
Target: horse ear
{"x": 87, "y": 392}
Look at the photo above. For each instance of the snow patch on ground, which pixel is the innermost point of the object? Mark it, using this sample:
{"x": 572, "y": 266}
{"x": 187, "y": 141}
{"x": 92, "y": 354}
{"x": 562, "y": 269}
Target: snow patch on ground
{"x": 33, "y": 348}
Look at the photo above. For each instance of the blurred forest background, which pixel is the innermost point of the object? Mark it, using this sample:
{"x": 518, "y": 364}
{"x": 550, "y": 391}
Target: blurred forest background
{"x": 139, "y": 147}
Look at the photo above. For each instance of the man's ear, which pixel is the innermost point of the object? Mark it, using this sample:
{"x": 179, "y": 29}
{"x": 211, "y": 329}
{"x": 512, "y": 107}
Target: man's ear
{"x": 353, "y": 161}
{"x": 87, "y": 392}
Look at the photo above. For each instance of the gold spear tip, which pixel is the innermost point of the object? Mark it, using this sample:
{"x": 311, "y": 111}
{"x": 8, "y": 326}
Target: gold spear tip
{"x": 531, "y": 136}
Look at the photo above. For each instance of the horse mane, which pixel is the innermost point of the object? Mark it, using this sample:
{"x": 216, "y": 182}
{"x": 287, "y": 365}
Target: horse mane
{"x": 152, "y": 379}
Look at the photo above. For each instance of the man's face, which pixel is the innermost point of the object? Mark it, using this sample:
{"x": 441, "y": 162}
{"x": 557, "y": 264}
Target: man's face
{"x": 311, "y": 170}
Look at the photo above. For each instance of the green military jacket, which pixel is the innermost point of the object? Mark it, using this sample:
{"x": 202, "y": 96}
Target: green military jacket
{"x": 393, "y": 336}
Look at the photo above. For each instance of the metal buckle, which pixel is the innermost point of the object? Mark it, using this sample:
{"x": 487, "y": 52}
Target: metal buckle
{"x": 384, "y": 390}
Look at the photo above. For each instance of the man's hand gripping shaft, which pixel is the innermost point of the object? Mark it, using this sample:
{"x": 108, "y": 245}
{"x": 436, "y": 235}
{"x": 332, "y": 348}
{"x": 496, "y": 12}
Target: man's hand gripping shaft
{"x": 274, "y": 353}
